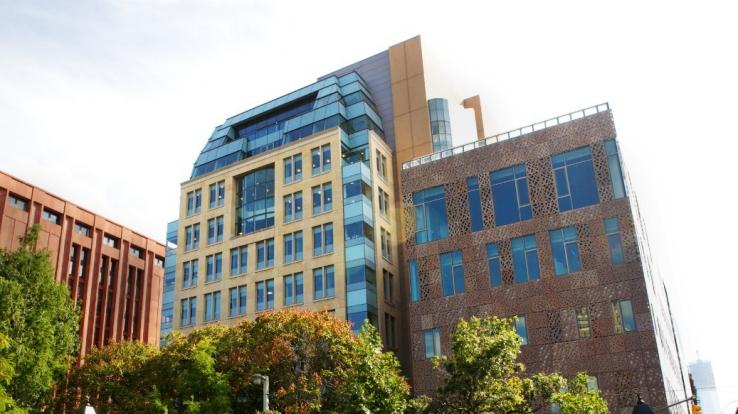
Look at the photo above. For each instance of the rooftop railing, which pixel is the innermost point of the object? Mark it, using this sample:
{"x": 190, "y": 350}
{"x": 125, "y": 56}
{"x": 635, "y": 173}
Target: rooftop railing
{"x": 515, "y": 133}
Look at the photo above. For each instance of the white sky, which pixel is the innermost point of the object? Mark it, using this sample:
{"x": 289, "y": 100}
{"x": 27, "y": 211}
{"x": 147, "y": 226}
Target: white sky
{"x": 108, "y": 103}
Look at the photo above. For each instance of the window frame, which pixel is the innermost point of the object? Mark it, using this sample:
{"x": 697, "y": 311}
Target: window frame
{"x": 518, "y": 179}
{"x": 561, "y": 241}
{"x": 455, "y": 265}
{"x": 435, "y": 343}
{"x": 614, "y": 236}
{"x": 527, "y": 250}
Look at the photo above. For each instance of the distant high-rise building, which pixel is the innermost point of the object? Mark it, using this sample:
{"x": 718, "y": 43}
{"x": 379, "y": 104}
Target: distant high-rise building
{"x": 347, "y": 196}
{"x": 114, "y": 273}
{"x": 704, "y": 382}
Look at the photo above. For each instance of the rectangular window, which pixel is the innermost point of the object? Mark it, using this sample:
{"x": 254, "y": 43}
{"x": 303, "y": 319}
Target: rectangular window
{"x": 431, "y": 221}
{"x": 136, "y": 251}
{"x": 510, "y": 197}
{"x": 217, "y": 194}
{"x": 525, "y": 259}
{"x": 323, "y": 239}
{"x": 265, "y": 295}
{"x": 616, "y": 171}
{"x": 292, "y": 247}
{"x": 237, "y": 304}
{"x": 592, "y": 383}
{"x": 214, "y": 267}
{"x": 322, "y": 198}
{"x": 293, "y": 207}
{"x": 212, "y": 306}
{"x": 323, "y": 282}
{"x": 614, "y": 241}
{"x": 194, "y": 202}
{"x": 383, "y": 202}
{"x": 381, "y": 165}
{"x": 475, "y": 203}
{"x": 414, "y": 281}
{"x": 188, "y": 310}
{"x": 293, "y": 169}
{"x": 584, "y": 325}
{"x": 239, "y": 260}
{"x": 522, "y": 329}
{"x": 321, "y": 159}
{"x": 385, "y": 244}
{"x": 293, "y": 289}
{"x": 565, "y": 250}
{"x": 623, "y": 317}
{"x": 493, "y": 262}
{"x": 357, "y": 188}
{"x": 192, "y": 237}
{"x": 110, "y": 241}
{"x": 215, "y": 230}
{"x": 432, "y": 342}
{"x": 388, "y": 280}
{"x": 575, "y": 180}
{"x": 18, "y": 202}
{"x": 51, "y": 216}
{"x": 452, "y": 273}
{"x": 264, "y": 254}
{"x": 389, "y": 331}
{"x": 82, "y": 229}
{"x": 255, "y": 205}
{"x": 189, "y": 273}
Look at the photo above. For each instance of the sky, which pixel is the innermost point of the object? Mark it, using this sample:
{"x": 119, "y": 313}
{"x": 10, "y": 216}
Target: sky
{"x": 108, "y": 103}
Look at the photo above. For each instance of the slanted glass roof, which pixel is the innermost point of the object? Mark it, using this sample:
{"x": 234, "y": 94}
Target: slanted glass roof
{"x": 334, "y": 101}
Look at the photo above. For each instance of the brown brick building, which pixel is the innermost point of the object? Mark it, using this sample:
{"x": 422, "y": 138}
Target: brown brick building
{"x": 114, "y": 273}
{"x": 605, "y": 312}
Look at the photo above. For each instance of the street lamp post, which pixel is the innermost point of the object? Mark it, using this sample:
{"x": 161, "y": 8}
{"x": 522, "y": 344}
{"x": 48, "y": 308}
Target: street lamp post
{"x": 86, "y": 408}
{"x": 264, "y": 381}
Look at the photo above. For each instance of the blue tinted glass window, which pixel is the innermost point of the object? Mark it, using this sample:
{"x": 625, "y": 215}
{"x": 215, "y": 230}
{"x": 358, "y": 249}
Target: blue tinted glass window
{"x": 614, "y": 242}
{"x": 264, "y": 254}
{"x": 623, "y": 316}
{"x": 432, "y": 342}
{"x": 475, "y": 203}
{"x": 616, "y": 172}
{"x": 255, "y": 211}
{"x": 510, "y": 197}
{"x": 318, "y": 287}
{"x": 431, "y": 221}
{"x": 414, "y": 281}
{"x": 452, "y": 273}
{"x": 525, "y": 259}
{"x": 575, "y": 181}
{"x": 565, "y": 250}
{"x": 493, "y": 262}
{"x": 522, "y": 329}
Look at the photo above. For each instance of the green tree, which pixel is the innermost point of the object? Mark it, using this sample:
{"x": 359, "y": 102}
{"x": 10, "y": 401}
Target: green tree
{"x": 7, "y": 405}
{"x": 39, "y": 320}
{"x": 314, "y": 363}
{"x": 117, "y": 378}
{"x": 375, "y": 384}
{"x": 482, "y": 374}
{"x": 577, "y": 398}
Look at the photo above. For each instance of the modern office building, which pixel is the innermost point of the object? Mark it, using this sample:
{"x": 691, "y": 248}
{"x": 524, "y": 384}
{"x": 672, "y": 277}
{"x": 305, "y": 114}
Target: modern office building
{"x": 704, "y": 382}
{"x": 347, "y": 196}
{"x": 114, "y": 273}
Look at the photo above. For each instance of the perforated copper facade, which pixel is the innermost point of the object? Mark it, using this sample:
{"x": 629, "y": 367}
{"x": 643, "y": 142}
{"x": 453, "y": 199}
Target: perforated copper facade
{"x": 625, "y": 364}
{"x": 114, "y": 273}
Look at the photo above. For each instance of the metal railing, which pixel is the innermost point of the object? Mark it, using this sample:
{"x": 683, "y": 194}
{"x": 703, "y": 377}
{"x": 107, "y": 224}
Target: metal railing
{"x": 515, "y": 133}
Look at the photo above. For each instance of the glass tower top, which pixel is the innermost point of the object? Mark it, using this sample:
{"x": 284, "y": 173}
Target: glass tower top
{"x": 341, "y": 101}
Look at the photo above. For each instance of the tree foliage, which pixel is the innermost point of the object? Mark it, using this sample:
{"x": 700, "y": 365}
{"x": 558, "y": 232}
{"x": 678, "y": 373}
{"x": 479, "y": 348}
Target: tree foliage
{"x": 39, "y": 321}
{"x": 578, "y": 399}
{"x": 483, "y": 375}
{"x": 314, "y": 362}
